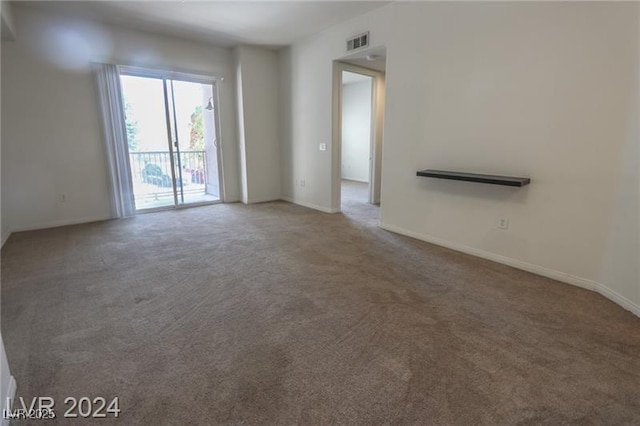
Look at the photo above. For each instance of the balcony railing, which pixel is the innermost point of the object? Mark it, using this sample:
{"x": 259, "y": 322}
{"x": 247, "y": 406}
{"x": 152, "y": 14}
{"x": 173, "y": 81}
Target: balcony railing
{"x": 151, "y": 171}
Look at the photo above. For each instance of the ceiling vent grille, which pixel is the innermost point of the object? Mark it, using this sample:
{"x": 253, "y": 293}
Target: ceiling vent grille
{"x": 358, "y": 42}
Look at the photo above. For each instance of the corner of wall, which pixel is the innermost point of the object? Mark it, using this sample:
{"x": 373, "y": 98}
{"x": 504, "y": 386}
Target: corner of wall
{"x": 284, "y": 129}
{"x": 258, "y": 129}
{"x": 242, "y": 157}
{"x": 6, "y": 18}
{"x": 5, "y": 236}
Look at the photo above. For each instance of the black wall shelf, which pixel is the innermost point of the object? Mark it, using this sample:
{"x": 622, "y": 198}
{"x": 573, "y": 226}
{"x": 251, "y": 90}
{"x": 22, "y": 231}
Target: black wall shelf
{"x": 474, "y": 177}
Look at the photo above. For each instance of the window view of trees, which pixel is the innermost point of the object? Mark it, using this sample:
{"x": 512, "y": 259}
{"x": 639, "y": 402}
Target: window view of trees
{"x": 196, "y": 141}
{"x": 196, "y": 128}
{"x": 132, "y": 126}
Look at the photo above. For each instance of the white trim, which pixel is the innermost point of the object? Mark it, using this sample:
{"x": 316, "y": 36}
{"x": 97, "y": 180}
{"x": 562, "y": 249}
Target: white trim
{"x": 310, "y": 205}
{"x": 376, "y": 134}
{"x": 518, "y": 264}
{"x": 261, "y": 200}
{"x": 355, "y": 180}
{"x": 58, "y": 223}
{"x": 191, "y": 76}
{"x": 177, "y": 207}
{"x": 68, "y": 222}
{"x": 11, "y": 394}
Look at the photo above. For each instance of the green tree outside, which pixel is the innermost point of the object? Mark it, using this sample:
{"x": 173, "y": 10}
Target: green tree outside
{"x": 132, "y": 127}
{"x": 196, "y": 140}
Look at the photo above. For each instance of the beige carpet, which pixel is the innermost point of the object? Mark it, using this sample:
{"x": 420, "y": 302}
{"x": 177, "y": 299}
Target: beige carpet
{"x": 277, "y": 314}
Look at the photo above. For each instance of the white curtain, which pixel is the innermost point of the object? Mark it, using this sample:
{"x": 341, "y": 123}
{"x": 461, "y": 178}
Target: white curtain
{"x": 115, "y": 140}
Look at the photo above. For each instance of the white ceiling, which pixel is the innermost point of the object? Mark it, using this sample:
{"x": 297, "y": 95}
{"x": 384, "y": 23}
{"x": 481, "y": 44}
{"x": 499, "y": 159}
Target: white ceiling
{"x": 224, "y": 23}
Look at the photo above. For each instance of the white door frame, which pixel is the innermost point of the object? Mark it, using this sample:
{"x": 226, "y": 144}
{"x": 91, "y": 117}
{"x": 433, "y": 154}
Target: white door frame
{"x": 376, "y": 134}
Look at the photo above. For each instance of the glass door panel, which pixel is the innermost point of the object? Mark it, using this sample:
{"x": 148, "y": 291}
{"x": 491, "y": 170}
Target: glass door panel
{"x": 196, "y": 154}
{"x": 149, "y": 154}
{"x": 171, "y": 132}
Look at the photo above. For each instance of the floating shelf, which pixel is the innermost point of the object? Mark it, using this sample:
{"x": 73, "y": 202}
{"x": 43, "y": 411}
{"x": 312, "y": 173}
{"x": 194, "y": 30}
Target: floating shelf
{"x": 473, "y": 177}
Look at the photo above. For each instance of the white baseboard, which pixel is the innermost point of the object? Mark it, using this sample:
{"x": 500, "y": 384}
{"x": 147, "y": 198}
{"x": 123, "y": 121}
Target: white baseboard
{"x": 57, "y": 223}
{"x": 535, "y": 269}
{"x": 262, "y": 200}
{"x": 310, "y": 205}
{"x": 53, "y": 224}
{"x": 355, "y": 180}
{"x": 10, "y": 396}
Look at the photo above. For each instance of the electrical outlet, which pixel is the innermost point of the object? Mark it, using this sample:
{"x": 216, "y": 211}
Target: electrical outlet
{"x": 323, "y": 147}
{"x": 302, "y": 183}
{"x": 503, "y": 223}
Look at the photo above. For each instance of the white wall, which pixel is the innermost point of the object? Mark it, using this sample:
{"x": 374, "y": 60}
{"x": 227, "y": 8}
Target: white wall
{"x": 545, "y": 90}
{"x": 51, "y": 136}
{"x": 242, "y": 143}
{"x": 6, "y": 20}
{"x": 356, "y": 130}
{"x": 257, "y": 78}
{"x": 305, "y": 94}
{"x": 4, "y": 233}
{"x": 7, "y": 382}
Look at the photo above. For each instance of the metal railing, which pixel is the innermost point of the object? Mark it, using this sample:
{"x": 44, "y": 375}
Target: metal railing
{"x": 154, "y": 168}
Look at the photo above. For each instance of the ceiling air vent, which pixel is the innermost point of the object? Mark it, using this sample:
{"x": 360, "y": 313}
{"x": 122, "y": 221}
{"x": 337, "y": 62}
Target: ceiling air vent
{"x": 358, "y": 41}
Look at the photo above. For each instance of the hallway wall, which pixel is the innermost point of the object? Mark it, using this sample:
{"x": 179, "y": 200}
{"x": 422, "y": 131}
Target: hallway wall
{"x": 356, "y": 130}
{"x": 543, "y": 90}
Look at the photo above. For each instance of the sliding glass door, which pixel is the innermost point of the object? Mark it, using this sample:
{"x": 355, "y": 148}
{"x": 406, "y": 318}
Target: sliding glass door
{"x": 172, "y": 137}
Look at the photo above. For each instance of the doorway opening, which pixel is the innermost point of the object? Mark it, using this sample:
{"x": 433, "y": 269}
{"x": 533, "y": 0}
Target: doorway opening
{"x": 171, "y": 126}
{"x": 358, "y": 118}
{"x": 357, "y": 92}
